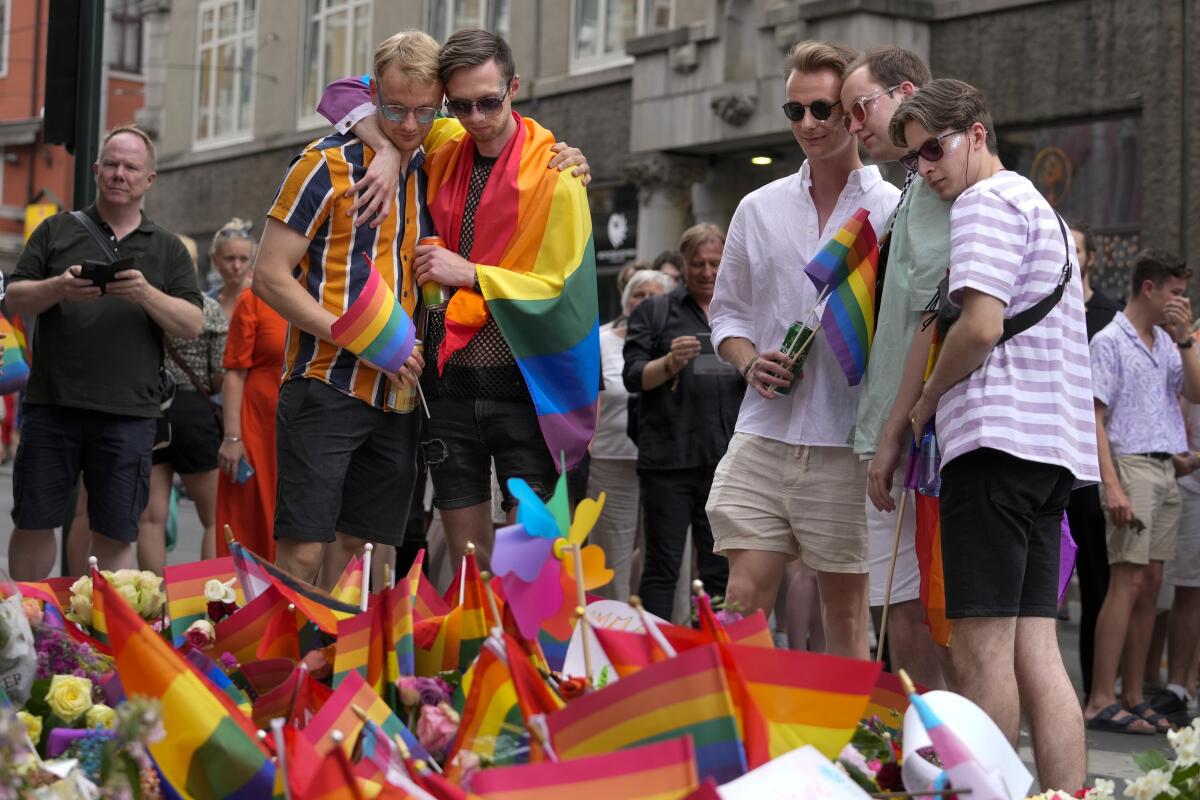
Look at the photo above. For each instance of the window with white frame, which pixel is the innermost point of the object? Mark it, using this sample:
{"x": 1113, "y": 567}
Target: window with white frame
{"x": 5, "y": 23}
{"x": 225, "y": 71}
{"x": 337, "y": 44}
{"x": 447, "y": 16}
{"x": 600, "y": 28}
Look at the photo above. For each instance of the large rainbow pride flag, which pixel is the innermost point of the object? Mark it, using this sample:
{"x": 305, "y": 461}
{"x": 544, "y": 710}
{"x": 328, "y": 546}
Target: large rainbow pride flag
{"x": 536, "y": 265}
{"x": 846, "y": 268}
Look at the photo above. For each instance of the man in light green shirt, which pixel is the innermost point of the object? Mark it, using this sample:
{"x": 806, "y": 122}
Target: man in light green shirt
{"x": 918, "y": 257}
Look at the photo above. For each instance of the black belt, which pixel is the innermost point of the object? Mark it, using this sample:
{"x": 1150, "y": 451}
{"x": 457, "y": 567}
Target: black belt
{"x": 1156, "y": 456}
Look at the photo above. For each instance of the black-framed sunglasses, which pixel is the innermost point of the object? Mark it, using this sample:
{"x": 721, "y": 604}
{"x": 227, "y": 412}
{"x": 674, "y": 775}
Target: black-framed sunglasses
{"x": 820, "y": 110}
{"x": 859, "y": 109}
{"x": 930, "y": 151}
{"x": 488, "y": 106}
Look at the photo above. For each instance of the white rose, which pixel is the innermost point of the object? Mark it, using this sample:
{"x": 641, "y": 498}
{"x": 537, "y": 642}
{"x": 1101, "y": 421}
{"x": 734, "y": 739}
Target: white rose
{"x": 1102, "y": 790}
{"x": 82, "y": 587}
{"x": 1150, "y": 786}
{"x": 217, "y": 592}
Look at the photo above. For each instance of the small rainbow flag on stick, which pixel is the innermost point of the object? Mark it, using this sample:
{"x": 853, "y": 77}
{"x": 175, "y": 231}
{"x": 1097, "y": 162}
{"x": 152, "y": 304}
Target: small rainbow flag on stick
{"x": 845, "y": 271}
{"x": 376, "y": 327}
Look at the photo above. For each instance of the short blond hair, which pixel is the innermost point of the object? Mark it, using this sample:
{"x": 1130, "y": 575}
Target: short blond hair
{"x": 133, "y": 130}
{"x": 413, "y": 53}
{"x": 810, "y": 56}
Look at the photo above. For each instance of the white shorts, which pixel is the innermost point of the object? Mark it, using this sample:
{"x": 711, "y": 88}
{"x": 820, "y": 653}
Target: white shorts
{"x": 1184, "y": 568}
{"x": 881, "y": 535}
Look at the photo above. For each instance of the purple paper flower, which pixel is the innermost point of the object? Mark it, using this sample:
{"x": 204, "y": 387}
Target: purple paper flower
{"x": 228, "y": 661}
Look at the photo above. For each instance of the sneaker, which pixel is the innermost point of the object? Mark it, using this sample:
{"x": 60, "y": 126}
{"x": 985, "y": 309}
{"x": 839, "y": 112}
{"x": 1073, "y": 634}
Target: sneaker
{"x": 1170, "y": 706}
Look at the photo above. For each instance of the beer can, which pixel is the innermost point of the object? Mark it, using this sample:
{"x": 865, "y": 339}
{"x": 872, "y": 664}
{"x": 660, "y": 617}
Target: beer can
{"x": 431, "y": 292}
{"x": 795, "y": 341}
{"x": 393, "y": 393}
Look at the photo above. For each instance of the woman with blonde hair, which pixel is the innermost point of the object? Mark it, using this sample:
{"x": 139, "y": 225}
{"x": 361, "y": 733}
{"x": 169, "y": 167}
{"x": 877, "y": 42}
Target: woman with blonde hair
{"x": 232, "y": 256}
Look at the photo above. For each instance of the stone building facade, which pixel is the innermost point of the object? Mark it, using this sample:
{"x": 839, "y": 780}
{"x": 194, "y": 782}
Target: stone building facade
{"x": 671, "y": 100}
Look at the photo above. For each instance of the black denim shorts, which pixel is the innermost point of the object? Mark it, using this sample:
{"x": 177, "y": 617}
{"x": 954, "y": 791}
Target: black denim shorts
{"x": 344, "y": 466}
{"x": 464, "y": 435}
{"x": 195, "y": 436}
{"x": 111, "y": 450}
{"x": 1001, "y": 526}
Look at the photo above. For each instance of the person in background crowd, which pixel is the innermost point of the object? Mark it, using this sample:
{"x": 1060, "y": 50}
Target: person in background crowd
{"x": 232, "y": 254}
{"x": 686, "y": 411}
{"x": 1141, "y": 362}
{"x": 918, "y": 252}
{"x": 253, "y": 359}
{"x": 1084, "y": 513}
{"x": 195, "y": 435}
{"x": 630, "y": 269}
{"x": 94, "y": 392}
{"x": 671, "y": 262}
{"x": 614, "y": 455}
{"x": 790, "y": 487}
{"x": 1014, "y": 426}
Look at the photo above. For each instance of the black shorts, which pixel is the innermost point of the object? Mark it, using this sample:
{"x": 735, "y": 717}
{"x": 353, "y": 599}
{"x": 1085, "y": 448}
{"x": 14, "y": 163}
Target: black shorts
{"x": 464, "y": 435}
{"x": 195, "y": 437}
{"x": 1001, "y": 525}
{"x": 344, "y": 466}
{"x": 111, "y": 450}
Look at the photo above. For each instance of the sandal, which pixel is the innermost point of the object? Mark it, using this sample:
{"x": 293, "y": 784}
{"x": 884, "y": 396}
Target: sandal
{"x": 1104, "y": 721}
{"x": 1161, "y": 723}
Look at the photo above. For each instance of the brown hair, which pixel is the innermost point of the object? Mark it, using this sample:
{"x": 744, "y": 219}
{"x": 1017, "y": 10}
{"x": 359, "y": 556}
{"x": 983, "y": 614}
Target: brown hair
{"x": 943, "y": 104}
{"x": 813, "y": 56}
{"x": 1157, "y": 266}
{"x": 471, "y": 48}
{"x": 892, "y": 66}
{"x": 413, "y": 53}
{"x": 697, "y": 236}
{"x": 139, "y": 133}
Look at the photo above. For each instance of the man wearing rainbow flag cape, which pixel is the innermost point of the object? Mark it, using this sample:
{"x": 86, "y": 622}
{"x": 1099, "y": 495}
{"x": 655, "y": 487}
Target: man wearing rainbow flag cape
{"x": 516, "y": 347}
{"x": 789, "y": 486}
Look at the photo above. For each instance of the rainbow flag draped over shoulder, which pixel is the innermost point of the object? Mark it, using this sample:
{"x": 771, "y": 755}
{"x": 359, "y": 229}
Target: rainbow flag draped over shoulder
{"x": 209, "y": 749}
{"x": 375, "y": 327}
{"x": 537, "y": 269}
{"x": 847, "y": 267}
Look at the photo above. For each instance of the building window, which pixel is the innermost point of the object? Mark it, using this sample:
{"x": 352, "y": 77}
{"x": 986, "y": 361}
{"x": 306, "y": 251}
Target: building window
{"x": 5, "y": 20}
{"x": 125, "y": 30}
{"x": 600, "y": 29}
{"x": 225, "y": 81}
{"x": 447, "y": 16}
{"x": 337, "y": 43}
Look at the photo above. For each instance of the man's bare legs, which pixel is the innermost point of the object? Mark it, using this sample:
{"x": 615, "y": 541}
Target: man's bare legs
{"x": 470, "y": 524}
{"x": 844, "y": 611}
{"x": 152, "y": 525}
{"x": 111, "y": 554}
{"x": 1127, "y": 583}
{"x": 754, "y": 577}
{"x": 31, "y": 554}
{"x": 910, "y": 645}
{"x": 299, "y": 559}
{"x": 338, "y": 554}
{"x": 1049, "y": 702}
{"x": 1184, "y": 643}
{"x": 802, "y": 601}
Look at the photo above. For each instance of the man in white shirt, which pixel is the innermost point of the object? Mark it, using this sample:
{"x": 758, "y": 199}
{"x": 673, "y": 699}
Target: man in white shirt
{"x": 790, "y": 486}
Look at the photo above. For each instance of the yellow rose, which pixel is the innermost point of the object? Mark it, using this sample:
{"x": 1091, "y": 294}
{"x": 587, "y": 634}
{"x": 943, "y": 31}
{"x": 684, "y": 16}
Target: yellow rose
{"x": 69, "y": 697}
{"x": 82, "y": 586}
{"x": 33, "y": 725}
{"x": 81, "y": 609}
{"x": 122, "y": 576}
{"x": 130, "y": 593}
{"x": 100, "y": 716}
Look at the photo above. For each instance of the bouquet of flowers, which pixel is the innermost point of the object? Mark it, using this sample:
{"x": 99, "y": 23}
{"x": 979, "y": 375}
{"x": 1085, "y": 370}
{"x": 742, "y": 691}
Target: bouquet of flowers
{"x": 1165, "y": 780}
{"x": 141, "y": 588}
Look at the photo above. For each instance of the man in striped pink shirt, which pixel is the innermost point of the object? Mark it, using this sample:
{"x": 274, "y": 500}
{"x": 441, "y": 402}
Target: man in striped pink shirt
{"x": 1014, "y": 423}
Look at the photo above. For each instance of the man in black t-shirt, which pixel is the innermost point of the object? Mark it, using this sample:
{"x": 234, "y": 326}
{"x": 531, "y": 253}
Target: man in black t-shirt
{"x": 94, "y": 389}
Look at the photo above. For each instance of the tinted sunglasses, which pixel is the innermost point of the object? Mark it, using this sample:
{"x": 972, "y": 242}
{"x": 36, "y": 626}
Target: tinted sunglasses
{"x": 859, "y": 109}
{"x": 930, "y": 151}
{"x": 820, "y": 110}
{"x": 424, "y": 114}
{"x": 488, "y": 106}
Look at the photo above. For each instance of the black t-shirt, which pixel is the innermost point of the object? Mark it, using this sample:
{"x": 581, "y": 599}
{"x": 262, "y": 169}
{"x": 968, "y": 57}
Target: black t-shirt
{"x": 1099, "y": 311}
{"x": 103, "y": 354}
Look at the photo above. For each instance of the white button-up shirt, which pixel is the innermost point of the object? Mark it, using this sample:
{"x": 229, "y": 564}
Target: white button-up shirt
{"x": 762, "y": 288}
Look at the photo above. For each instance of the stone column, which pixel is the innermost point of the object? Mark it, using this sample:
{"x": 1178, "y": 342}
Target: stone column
{"x": 664, "y": 198}
{"x": 156, "y": 19}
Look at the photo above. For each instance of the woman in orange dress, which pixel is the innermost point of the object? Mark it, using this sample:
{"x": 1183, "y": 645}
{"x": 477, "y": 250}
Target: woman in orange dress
{"x": 253, "y": 360}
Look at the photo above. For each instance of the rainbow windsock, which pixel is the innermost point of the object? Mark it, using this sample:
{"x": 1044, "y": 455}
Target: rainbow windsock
{"x": 962, "y": 768}
{"x": 209, "y": 749}
{"x": 376, "y": 328}
{"x": 846, "y": 268}
{"x": 536, "y": 264}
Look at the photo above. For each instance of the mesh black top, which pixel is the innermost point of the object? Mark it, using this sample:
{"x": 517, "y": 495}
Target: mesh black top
{"x": 485, "y": 367}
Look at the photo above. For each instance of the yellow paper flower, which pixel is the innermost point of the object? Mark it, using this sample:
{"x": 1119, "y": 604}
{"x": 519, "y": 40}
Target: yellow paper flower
{"x": 33, "y": 725}
{"x": 69, "y": 697}
{"x": 100, "y": 716}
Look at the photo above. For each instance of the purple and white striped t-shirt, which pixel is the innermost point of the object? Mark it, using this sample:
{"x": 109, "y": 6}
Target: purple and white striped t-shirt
{"x": 1032, "y": 396}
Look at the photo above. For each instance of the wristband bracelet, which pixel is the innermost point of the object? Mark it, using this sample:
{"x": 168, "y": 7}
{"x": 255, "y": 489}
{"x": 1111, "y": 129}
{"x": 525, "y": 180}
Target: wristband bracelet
{"x": 670, "y": 365}
{"x": 746, "y": 371}
{"x": 233, "y": 438}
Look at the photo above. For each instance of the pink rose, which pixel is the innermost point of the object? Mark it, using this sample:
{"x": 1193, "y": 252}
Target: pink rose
{"x": 33, "y": 611}
{"x": 318, "y": 663}
{"x": 410, "y": 695}
{"x": 201, "y": 634}
{"x": 437, "y": 728}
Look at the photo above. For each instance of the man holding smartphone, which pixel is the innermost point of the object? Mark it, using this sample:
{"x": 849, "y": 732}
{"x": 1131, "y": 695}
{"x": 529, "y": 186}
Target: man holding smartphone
{"x": 94, "y": 388}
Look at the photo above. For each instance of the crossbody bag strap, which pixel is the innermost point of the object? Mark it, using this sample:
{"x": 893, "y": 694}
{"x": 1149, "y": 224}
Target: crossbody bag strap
{"x": 1023, "y": 321}
{"x": 179, "y": 361}
{"x": 96, "y": 234}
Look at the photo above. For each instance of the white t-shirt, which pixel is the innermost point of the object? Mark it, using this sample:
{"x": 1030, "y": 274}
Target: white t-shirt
{"x": 611, "y": 440}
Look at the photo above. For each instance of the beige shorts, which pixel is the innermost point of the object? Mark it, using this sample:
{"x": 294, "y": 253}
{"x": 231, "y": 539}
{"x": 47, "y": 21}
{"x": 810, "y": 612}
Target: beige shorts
{"x": 1150, "y": 485}
{"x": 801, "y": 501}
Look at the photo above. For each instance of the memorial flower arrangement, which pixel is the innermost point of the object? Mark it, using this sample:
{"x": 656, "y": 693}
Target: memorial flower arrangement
{"x": 142, "y": 589}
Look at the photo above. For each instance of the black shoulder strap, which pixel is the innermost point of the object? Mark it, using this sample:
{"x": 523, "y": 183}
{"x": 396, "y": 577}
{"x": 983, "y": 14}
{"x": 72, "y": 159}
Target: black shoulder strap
{"x": 661, "y": 309}
{"x": 1023, "y": 321}
{"x": 95, "y": 233}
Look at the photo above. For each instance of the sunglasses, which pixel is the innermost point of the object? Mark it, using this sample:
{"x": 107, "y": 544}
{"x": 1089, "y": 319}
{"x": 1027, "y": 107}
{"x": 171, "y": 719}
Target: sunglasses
{"x": 424, "y": 114}
{"x": 820, "y": 110}
{"x": 930, "y": 151}
{"x": 859, "y": 109}
{"x": 488, "y": 106}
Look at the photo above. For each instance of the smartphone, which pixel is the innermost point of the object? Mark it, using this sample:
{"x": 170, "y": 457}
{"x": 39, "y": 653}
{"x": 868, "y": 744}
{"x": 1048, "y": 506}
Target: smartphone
{"x": 101, "y": 273}
{"x": 244, "y": 471}
{"x": 706, "y": 346}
